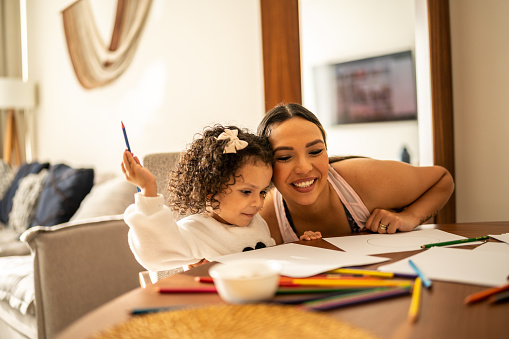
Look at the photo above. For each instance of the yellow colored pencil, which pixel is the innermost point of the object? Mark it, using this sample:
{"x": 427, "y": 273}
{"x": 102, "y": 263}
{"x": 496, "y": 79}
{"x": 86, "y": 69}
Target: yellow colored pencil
{"x": 351, "y": 283}
{"x": 363, "y": 272}
{"x": 413, "y": 312}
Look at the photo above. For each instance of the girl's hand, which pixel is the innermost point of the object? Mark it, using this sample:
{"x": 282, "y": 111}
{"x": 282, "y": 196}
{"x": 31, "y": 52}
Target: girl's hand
{"x": 138, "y": 175}
{"x": 385, "y": 221}
{"x": 310, "y": 235}
{"x": 199, "y": 263}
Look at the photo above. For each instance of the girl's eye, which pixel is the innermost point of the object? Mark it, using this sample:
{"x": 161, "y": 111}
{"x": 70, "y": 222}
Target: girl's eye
{"x": 245, "y": 192}
{"x": 263, "y": 194}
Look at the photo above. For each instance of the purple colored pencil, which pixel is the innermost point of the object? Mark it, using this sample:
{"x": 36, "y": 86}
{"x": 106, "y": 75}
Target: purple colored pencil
{"x": 341, "y": 301}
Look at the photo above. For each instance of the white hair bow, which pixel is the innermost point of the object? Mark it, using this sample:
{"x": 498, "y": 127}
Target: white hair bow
{"x": 234, "y": 144}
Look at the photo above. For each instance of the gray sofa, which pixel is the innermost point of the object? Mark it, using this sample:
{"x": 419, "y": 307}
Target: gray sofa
{"x": 54, "y": 275}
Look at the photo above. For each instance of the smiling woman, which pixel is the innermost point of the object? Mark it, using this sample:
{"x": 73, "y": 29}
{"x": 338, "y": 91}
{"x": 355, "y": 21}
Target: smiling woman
{"x": 344, "y": 196}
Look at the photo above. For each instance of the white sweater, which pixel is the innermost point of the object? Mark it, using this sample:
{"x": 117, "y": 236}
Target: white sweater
{"x": 161, "y": 243}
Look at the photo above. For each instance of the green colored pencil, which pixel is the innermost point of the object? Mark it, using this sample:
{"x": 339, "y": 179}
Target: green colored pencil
{"x": 454, "y": 242}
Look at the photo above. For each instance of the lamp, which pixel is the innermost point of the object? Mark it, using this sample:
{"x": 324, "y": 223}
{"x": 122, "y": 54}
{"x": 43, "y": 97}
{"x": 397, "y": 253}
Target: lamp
{"x": 16, "y": 95}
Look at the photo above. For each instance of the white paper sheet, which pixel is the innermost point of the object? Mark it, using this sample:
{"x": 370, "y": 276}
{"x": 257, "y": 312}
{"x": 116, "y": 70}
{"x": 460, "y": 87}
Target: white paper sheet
{"x": 390, "y": 243}
{"x": 501, "y": 237}
{"x": 501, "y": 247}
{"x": 301, "y": 261}
{"x": 484, "y": 268}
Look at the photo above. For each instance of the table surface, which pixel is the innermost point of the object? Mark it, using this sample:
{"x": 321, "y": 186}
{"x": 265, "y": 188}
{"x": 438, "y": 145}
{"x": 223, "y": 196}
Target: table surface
{"x": 443, "y": 313}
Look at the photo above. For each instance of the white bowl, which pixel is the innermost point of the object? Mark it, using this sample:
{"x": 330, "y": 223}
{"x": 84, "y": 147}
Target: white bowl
{"x": 246, "y": 281}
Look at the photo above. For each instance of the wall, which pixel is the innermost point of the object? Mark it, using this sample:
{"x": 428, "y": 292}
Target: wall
{"x": 198, "y": 62}
{"x": 480, "y": 53}
{"x": 334, "y": 31}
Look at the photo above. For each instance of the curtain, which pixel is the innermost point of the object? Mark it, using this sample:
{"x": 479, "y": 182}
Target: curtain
{"x": 96, "y": 64}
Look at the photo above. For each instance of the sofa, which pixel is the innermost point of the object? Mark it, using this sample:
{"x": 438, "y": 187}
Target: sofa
{"x": 51, "y": 275}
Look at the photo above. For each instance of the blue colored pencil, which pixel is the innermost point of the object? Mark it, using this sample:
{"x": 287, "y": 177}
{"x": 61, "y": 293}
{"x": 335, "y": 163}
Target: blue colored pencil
{"x": 425, "y": 281}
{"x": 127, "y": 144}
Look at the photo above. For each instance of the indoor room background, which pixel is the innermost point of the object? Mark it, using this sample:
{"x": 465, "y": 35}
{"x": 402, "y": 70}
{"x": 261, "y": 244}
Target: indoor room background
{"x": 199, "y": 62}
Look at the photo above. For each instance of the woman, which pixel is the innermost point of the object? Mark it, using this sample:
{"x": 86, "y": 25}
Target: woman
{"x": 348, "y": 195}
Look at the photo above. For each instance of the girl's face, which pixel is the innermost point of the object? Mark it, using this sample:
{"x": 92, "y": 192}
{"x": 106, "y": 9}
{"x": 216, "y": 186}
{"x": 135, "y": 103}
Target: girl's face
{"x": 241, "y": 201}
{"x": 301, "y": 160}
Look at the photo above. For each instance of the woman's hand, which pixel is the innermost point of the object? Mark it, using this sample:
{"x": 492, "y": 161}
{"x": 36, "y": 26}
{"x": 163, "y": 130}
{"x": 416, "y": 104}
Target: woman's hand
{"x": 310, "y": 235}
{"x": 385, "y": 221}
{"x": 138, "y": 175}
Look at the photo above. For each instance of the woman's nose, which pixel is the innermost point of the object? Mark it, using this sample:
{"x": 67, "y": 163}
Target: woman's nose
{"x": 303, "y": 165}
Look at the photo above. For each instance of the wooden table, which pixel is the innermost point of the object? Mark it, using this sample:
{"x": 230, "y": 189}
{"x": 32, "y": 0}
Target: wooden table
{"x": 442, "y": 313}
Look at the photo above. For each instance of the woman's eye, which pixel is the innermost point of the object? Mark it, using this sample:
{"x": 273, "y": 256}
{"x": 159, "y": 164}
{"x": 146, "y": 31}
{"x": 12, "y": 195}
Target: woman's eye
{"x": 283, "y": 158}
{"x": 316, "y": 152}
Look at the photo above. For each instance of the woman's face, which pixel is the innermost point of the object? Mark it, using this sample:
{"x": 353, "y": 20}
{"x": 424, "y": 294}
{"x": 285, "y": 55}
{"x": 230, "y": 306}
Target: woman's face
{"x": 301, "y": 161}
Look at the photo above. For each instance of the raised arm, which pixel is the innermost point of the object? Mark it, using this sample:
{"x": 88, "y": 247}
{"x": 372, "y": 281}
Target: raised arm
{"x": 398, "y": 195}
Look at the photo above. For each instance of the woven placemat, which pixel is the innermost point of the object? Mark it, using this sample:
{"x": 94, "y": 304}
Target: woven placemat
{"x": 235, "y": 321}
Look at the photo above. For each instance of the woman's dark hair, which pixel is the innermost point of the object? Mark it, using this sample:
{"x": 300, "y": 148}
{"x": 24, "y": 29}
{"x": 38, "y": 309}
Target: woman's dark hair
{"x": 282, "y": 113}
{"x": 204, "y": 171}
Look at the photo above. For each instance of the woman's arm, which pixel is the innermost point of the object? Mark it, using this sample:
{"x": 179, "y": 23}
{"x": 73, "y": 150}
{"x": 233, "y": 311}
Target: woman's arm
{"x": 386, "y": 186}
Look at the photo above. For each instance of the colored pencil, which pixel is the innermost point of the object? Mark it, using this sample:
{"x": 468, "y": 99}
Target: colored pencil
{"x": 499, "y": 297}
{"x": 125, "y": 137}
{"x": 358, "y": 298}
{"x": 196, "y": 289}
{"x": 455, "y": 242}
{"x": 319, "y": 296}
{"x": 140, "y": 311}
{"x": 413, "y": 312}
{"x": 425, "y": 281}
{"x": 351, "y": 282}
{"x": 372, "y": 273}
{"x": 127, "y": 145}
{"x": 484, "y": 294}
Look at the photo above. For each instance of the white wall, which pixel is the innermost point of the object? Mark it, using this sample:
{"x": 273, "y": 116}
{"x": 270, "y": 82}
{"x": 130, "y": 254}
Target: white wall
{"x": 334, "y": 31}
{"x": 198, "y": 62}
{"x": 480, "y": 55}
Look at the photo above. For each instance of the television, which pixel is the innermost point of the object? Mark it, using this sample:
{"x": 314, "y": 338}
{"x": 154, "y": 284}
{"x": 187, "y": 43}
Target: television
{"x": 375, "y": 89}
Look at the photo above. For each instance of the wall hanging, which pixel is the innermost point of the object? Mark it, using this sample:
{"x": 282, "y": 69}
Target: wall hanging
{"x": 94, "y": 63}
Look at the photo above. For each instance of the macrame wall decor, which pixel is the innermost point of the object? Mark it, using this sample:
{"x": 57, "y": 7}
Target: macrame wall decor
{"x": 96, "y": 64}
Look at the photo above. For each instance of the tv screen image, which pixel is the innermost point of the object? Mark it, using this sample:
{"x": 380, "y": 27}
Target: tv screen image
{"x": 375, "y": 89}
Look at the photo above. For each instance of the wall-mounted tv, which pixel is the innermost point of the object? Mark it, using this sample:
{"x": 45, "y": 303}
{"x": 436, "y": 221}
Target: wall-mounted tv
{"x": 380, "y": 88}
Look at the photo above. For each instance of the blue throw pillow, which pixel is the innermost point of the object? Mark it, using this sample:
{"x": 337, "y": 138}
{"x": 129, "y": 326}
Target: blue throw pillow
{"x": 63, "y": 191}
{"x": 23, "y": 171}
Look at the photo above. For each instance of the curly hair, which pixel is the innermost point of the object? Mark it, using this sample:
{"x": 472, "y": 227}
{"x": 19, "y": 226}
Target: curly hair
{"x": 204, "y": 171}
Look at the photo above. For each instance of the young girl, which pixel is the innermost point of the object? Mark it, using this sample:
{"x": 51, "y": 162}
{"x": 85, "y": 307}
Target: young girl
{"x": 222, "y": 180}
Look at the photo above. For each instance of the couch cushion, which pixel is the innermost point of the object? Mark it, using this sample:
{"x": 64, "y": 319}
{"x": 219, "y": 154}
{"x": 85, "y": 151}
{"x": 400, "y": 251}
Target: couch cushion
{"x": 17, "y": 283}
{"x": 110, "y": 197}
{"x": 6, "y": 176}
{"x": 63, "y": 191}
{"x": 23, "y": 171}
{"x": 25, "y": 199}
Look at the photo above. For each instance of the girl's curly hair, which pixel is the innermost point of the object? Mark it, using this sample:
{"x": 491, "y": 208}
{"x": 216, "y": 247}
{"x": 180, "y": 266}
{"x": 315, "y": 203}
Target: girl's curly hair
{"x": 204, "y": 171}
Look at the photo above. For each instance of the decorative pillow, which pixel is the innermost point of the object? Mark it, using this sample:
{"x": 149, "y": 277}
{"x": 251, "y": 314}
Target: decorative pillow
{"x": 108, "y": 198}
{"x": 6, "y": 177}
{"x": 25, "y": 199}
{"x": 63, "y": 191}
{"x": 6, "y": 202}
{"x": 17, "y": 283}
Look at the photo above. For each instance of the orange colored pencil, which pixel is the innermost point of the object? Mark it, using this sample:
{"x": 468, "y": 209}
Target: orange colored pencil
{"x": 475, "y": 297}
